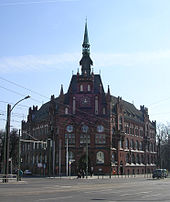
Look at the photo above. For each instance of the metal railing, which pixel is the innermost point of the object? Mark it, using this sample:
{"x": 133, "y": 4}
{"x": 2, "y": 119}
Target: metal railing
{"x": 7, "y": 178}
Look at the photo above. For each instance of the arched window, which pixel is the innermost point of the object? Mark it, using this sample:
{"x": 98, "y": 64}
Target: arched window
{"x": 127, "y": 158}
{"x": 113, "y": 158}
{"x": 148, "y": 146}
{"x": 74, "y": 105}
{"x": 66, "y": 110}
{"x": 132, "y": 144}
{"x": 148, "y": 159}
{"x": 120, "y": 123}
{"x": 151, "y": 146}
{"x": 127, "y": 143}
{"x": 138, "y": 159}
{"x": 133, "y": 159}
{"x": 84, "y": 128}
{"x": 88, "y": 88}
{"x": 140, "y": 146}
{"x": 40, "y": 158}
{"x": 121, "y": 143}
{"x": 45, "y": 158}
{"x": 81, "y": 88}
{"x": 137, "y": 145}
{"x": 100, "y": 157}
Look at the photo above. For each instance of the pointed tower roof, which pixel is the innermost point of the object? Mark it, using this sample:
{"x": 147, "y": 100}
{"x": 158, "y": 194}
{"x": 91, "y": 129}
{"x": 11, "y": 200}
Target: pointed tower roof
{"x": 61, "y": 90}
{"x": 86, "y": 38}
{"x": 108, "y": 90}
{"x": 86, "y": 61}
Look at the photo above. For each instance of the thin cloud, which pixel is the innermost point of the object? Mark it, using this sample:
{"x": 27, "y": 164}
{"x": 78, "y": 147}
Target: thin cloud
{"x": 132, "y": 59}
{"x": 37, "y": 63}
{"x": 33, "y": 2}
{"x": 67, "y": 60}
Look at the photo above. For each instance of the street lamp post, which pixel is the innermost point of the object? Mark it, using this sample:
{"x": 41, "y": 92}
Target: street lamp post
{"x": 7, "y": 139}
{"x": 19, "y": 157}
{"x": 87, "y": 166}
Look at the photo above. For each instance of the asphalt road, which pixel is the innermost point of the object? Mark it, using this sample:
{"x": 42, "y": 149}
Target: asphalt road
{"x": 80, "y": 190}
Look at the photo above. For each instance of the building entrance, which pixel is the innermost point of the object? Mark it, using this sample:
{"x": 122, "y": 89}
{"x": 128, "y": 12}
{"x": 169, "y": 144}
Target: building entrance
{"x": 82, "y": 164}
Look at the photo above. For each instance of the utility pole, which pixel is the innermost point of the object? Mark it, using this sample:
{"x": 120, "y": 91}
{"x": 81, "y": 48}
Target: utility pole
{"x": 67, "y": 156}
{"x": 19, "y": 158}
{"x": 59, "y": 160}
{"x": 86, "y": 155}
{"x": 7, "y": 139}
{"x": 53, "y": 156}
{"x": 6, "y": 146}
{"x": 49, "y": 157}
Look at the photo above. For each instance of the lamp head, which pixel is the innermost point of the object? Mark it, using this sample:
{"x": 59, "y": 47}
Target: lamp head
{"x": 28, "y": 96}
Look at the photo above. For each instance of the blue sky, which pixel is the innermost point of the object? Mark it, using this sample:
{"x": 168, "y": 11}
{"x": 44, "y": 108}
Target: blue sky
{"x": 41, "y": 42}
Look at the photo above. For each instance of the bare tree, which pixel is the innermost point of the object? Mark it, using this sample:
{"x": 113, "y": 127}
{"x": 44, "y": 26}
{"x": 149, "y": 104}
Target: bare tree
{"x": 163, "y": 151}
{"x": 13, "y": 150}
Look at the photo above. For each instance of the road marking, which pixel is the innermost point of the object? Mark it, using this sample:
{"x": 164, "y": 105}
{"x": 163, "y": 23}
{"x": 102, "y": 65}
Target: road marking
{"x": 51, "y": 199}
{"x": 136, "y": 193}
{"x": 153, "y": 195}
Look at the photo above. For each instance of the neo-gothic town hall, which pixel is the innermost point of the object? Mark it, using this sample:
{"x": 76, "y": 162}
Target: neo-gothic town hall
{"x": 88, "y": 129}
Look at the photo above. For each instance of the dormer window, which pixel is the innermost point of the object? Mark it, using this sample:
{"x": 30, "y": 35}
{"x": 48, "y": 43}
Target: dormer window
{"x": 81, "y": 88}
{"x": 88, "y": 88}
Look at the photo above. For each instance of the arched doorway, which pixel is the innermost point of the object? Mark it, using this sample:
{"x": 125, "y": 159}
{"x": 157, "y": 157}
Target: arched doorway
{"x": 82, "y": 163}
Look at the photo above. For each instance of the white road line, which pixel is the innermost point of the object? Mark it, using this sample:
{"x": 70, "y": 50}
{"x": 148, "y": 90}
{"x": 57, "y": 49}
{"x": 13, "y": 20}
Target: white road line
{"x": 56, "y": 198}
{"x": 151, "y": 195}
{"x": 130, "y": 194}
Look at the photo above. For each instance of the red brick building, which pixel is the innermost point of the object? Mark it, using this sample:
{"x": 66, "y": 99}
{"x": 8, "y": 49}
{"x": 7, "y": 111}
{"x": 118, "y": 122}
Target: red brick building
{"x": 88, "y": 128}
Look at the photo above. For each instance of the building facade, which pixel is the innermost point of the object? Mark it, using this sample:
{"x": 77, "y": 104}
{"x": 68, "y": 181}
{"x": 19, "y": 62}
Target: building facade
{"x": 88, "y": 129}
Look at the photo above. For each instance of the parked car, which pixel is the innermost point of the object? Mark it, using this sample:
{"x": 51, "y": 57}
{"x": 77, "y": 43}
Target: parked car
{"x": 27, "y": 172}
{"x": 165, "y": 173}
{"x": 158, "y": 173}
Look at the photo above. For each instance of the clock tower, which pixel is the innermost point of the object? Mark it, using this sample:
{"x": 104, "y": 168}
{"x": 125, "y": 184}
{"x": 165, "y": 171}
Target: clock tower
{"x": 86, "y": 90}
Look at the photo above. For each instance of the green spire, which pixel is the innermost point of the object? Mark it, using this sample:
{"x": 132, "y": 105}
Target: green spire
{"x": 86, "y": 38}
{"x": 86, "y": 44}
{"x": 86, "y": 61}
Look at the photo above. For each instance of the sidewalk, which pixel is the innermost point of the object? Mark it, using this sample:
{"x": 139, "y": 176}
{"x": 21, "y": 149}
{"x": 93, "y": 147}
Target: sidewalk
{"x": 104, "y": 176}
{"x": 14, "y": 181}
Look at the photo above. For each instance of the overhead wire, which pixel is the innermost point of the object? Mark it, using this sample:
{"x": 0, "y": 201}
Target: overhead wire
{"x": 32, "y": 91}
{"x": 17, "y": 93}
{"x": 19, "y": 105}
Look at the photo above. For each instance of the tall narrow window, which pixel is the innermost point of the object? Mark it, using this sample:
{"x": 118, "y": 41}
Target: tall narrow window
{"x": 104, "y": 110}
{"x": 96, "y": 105}
{"x": 88, "y": 88}
{"x": 81, "y": 88}
{"x": 127, "y": 143}
{"x": 66, "y": 110}
{"x": 120, "y": 123}
{"x": 121, "y": 144}
{"x": 74, "y": 105}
